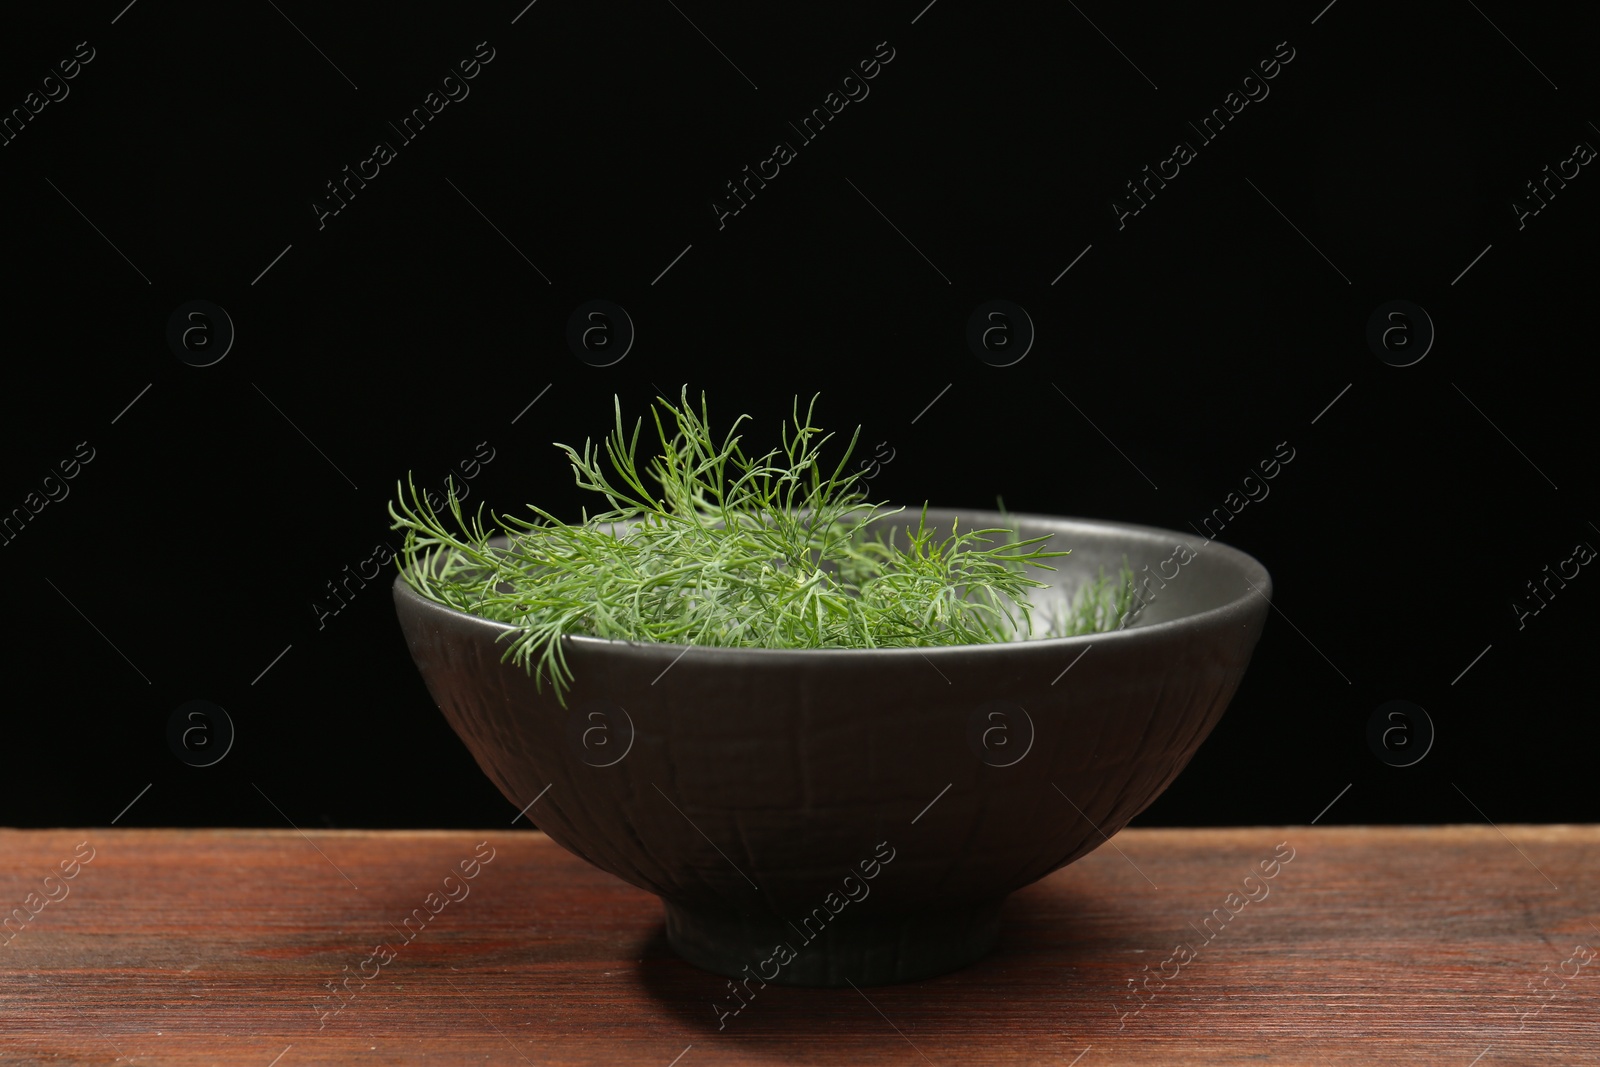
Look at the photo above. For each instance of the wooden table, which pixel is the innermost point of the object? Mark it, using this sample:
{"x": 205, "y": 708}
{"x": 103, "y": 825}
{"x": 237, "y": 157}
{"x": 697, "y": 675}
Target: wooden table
{"x": 1451, "y": 945}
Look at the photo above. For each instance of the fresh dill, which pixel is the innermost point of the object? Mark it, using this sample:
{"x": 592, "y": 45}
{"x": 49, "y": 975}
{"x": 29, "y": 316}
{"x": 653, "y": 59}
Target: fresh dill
{"x": 730, "y": 551}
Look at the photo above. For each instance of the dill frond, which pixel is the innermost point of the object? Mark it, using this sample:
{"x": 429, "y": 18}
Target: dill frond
{"x": 732, "y": 551}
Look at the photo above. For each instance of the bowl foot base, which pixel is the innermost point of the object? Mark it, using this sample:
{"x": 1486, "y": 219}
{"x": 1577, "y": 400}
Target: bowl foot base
{"x": 881, "y": 951}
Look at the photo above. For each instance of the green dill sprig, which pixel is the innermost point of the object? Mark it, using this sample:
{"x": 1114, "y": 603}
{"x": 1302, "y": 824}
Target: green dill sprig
{"x": 1097, "y": 606}
{"x": 730, "y": 551}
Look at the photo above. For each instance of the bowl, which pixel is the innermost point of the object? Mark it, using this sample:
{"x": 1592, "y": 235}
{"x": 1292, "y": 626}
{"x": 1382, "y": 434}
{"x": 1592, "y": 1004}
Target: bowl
{"x": 831, "y": 816}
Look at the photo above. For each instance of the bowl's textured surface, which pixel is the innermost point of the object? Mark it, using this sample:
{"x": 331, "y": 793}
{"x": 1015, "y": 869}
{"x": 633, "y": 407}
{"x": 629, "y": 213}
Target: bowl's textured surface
{"x": 756, "y": 790}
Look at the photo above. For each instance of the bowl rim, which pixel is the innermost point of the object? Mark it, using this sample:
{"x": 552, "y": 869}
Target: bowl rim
{"x": 1250, "y": 568}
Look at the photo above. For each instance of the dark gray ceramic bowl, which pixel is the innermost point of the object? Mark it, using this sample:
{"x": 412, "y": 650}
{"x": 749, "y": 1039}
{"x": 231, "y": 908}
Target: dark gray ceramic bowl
{"x": 812, "y": 817}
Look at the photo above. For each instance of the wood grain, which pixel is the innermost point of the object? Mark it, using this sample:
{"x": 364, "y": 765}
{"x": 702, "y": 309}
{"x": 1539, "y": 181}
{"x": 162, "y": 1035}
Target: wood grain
{"x": 1370, "y": 946}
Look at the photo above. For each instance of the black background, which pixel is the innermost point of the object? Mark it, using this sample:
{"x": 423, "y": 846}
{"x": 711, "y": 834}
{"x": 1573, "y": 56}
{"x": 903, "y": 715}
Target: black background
{"x": 424, "y": 317}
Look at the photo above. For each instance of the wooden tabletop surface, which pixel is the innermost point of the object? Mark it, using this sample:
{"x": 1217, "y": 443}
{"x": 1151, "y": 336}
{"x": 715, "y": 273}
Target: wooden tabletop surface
{"x": 1461, "y": 945}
